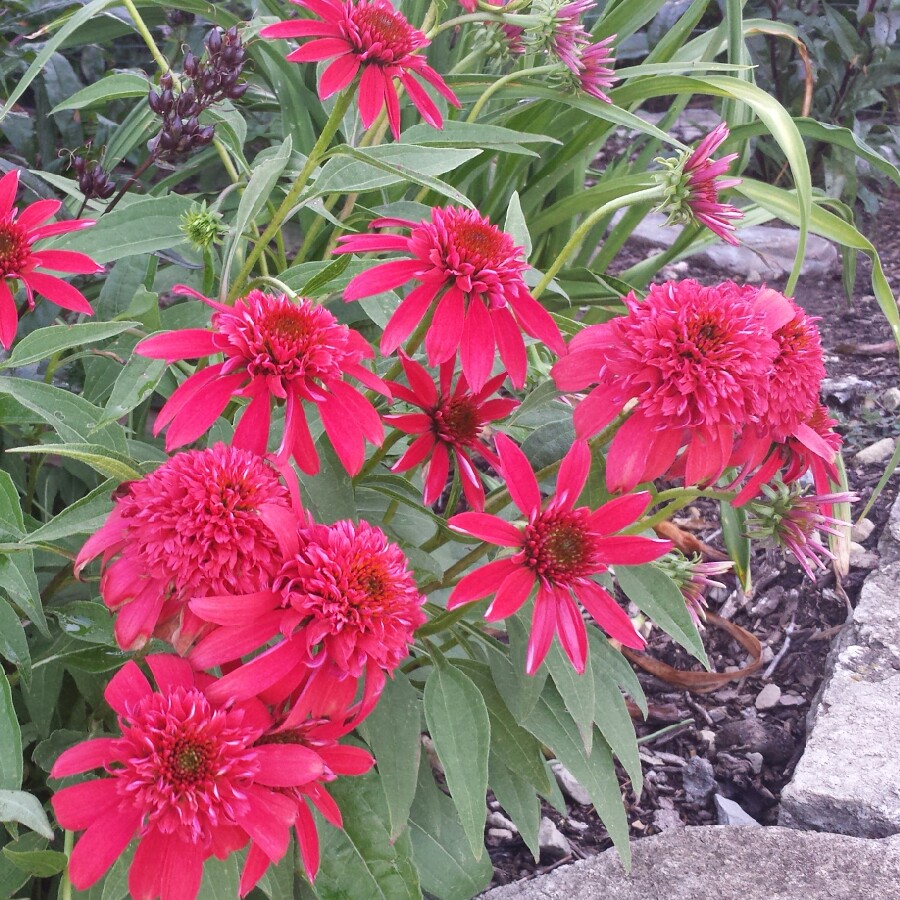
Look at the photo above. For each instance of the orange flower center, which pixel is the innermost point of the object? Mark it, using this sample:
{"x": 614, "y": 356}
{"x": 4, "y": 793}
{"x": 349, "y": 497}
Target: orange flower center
{"x": 456, "y": 421}
{"x": 558, "y": 547}
{"x": 481, "y": 239}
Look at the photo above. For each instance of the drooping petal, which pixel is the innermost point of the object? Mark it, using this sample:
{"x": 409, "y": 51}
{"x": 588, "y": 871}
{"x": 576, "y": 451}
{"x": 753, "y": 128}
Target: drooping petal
{"x": 189, "y": 343}
{"x": 436, "y": 477}
{"x": 520, "y": 480}
{"x": 608, "y": 614}
{"x": 480, "y": 583}
{"x": 381, "y": 278}
{"x": 66, "y": 261}
{"x": 571, "y": 630}
{"x": 101, "y": 845}
{"x": 126, "y": 687}
{"x": 407, "y": 315}
{"x": 287, "y": 765}
{"x": 444, "y": 334}
{"x": 58, "y": 291}
{"x": 512, "y": 594}
{"x": 338, "y": 75}
{"x": 489, "y": 528}
{"x": 80, "y": 805}
{"x": 543, "y": 627}
{"x": 476, "y": 350}
{"x": 82, "y": 757}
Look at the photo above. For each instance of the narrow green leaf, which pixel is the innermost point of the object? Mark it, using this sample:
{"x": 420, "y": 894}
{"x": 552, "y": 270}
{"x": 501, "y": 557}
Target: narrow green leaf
{"x": 655, "y": 594}
{"x": 549, "y": 722}
{"x": 84, "y": 516}
{"x": 447, "y": 868}
{"x": 111, "y": 87}
{"x": 458, "y": 723}
{"x": 12, "y": 523}
{"x": 11, "y": 877}
{"x": 135, "y": 383}
{"x": 516, "y": 225}
{"x": 221, "y": 879}
{"x": 10, "y": 742}
{"x": 576, "y": 690}
{"x": 106, "y": 462}
{"x": 44, "y": 342}
{"x": 18, "y": 579}
{"x": 18, "y": 806}
{"x": 609, "y": 661}
{"x": 614, "y": 722}
{"x": 734, "y": 536}
{"x": 13, "y": 642}
{"x": 38, "y": 863}
{"x": 314, "y": 286}
{"x": 393, "y": 730}
{"x": 519, "y": 691}
{"x": 517, "y": 797}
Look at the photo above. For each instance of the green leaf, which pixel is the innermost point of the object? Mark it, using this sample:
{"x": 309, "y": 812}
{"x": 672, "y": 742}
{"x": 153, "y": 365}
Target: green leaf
{"x": 607, "y": 660}
{"x": 73, "y": 418}
{"x": 258, "y": 190}
{"x": 44, "y": 342}
{"x": 516, "y": 225}
{"x": 550, "y": 723}
{"x": 360, "y": 861}
{"x": 85, "y": 621}
{"x": 315, "y": 285}
{"x": 519, "y": 691}
{"x": 111, "y": 87}
{"x": 11, "y": 877}
{"x": 106, "y": 462}
{"x": 393, "y": 730}
{"x": 517, "y": 797}
{"x": 613, "y": 720}
{"x": 42, "y": 694}
{"x": 84, "y": 516}
{"x": 13, "y": 642}
{"x": 85, "y": 14}
{"x": 330, "y": 493}
{"x": 18, "y": 806}
{"x": 473, "y": 134}
{"x": 442, "y": 852}
{"x": 135, "y": 383}
{"x": 655, "y": 594}
{"x": 576, "y": 690}
{"x": 734, "y": 536}
{"x": 18, "y": 579}
{"x": 10, "y": 742}
{"x": 38, "y": 863}
{"x": 353, "y": 171}
{"x": 147, "y": 225}
{"x": 458, "y": 723}
{"x": 12, "y": 523}
{"x": 221, "y": 879}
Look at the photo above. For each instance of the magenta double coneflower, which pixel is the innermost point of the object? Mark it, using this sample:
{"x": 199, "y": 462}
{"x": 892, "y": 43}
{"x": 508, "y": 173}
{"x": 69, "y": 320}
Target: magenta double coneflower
{"x": 372, "y": 37}
{"x": 696, "y": 359}
{"x": 274, "y": 349}
{"x": 205, "y": 522}
{"x": 474, "y": 272}
{"x": 558, "y": 550}
{"x": 452, "y": 421}
{"x": 20, "y": 261}
{"x": 192, "y": 777}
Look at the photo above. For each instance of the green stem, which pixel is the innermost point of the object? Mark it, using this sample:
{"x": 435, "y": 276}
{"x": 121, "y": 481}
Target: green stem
{"x": 144, "y": 32}
{"x": 649, "y": 194}
{"x": 315, "y": 155}
{"x": 65, "y": 887}
{"x": 500, "y": 83}
{"x": 461, "y": 20}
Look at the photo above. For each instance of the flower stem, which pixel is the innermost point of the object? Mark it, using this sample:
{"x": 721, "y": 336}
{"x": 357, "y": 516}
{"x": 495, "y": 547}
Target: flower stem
{"x": 65, "y": 886}
{"x": 315, "y": 155}
{"x": 645, "y": 196}
{"x": 502, "y": 82}
{"x": 144, "y": 32}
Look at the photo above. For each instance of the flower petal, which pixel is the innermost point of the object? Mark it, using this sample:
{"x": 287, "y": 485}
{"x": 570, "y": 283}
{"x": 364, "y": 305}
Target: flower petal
{"x": 476, "y": 349}
{"x": 608, "y": 614}
{"x": 445, "y": 332}
{"x": 489, "y": 528}
{"x": 381, "y": 278}
{"x": 338, "y": 75}
{"x": 58, "y": 291}
{"x": 512, "y": 594}
{"x": 287, "y": 765}
{"x": 483, "y": 581}
{"x": 408, "y": 314}
{"x": 571, "y": 630}
{"x": 520, "y": 480}
{"x": 189, "y": 343}
{"x": 101, "y": 845}
{"x": 126, "y": 687}
{"x": 83, "y": 757}
{"x": 543, "y": 626}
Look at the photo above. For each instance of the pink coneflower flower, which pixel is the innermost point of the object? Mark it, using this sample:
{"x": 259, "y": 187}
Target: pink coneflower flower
{"x": 696, "y": 359}
{"x": 693, "y": 184}
{"x": 453, "y": 421}
{"x": 794, "y": 522}
{"x": 476, "y": 270}
{"x": 693, "y": 577}
{"x": 319, "y": 717}
{"x": 20, "y": 262}
{"x": 188, "y": 776}
{"x": 273, "y": 348}
{"x": 595, "y": 72}
{"x": 346, "y": 600}
{"x": 367, "y": 35}
{"x": 557, "y": 550}
{"x": 566, "y": 36}
{"x": 205, "y": 522}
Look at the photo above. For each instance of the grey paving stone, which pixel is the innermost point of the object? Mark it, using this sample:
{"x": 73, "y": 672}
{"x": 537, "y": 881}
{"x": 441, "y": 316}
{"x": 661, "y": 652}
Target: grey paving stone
{"x": 723, "y": 863}
{"x": 848, "y": 779}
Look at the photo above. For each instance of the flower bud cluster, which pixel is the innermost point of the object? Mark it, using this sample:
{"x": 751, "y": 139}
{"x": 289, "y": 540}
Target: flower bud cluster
{"x": 93, "y": 180}
{"x": 206, "y": 82}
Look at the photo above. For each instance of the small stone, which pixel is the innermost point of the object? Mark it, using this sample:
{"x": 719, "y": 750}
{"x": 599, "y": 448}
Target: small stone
{"x": 569, "y": 785}
{"x": 707, "y": 736}
{"x": 768, "y": 697}
{"x": 500, "y": 834}
{"x": 792, "y": 700}
{"x": 551, "y": 840}
{"x": 890, "y": 399}
{"x": 860, "y": 558}
{"x": 845, "y": 389}
{"x": 576, "y": 825}
{"x": 699, "y": 780}
{"x": 498, "y": 820}
{"x": 862, "y": 530}
{"x": 730, "y": 813}
{"x": 665, "y": 819}
{"x": 756, "y": 762}
{"x": 767, "y": 654}
{"x": 875, "y": 454}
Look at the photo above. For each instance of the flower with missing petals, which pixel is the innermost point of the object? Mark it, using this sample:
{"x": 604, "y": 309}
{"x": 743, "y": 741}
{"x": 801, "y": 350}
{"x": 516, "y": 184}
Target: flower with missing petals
{"x": 189, "y": 776}
{"x": 451, "y": 422}
{"x": 697, "y": 360}
{"x": 692, "y": 181}
{"x": 205, "y": 522}
{"x": 274, "y": 348}
{"x": 794, "y": 522}
{"x": 474, "y": 272}
{"x": 558, "y": 550}
{"x": 345, "y": 601}
{"x": 693, "y": 577}
{"x": 373, "y": 37}
{"x": 595, "y": 73}
{"x": 20, "y": 261}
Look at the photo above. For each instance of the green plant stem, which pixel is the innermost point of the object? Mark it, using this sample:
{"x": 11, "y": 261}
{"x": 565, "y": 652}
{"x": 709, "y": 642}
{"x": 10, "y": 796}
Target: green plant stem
{"x": 645, "y": 196}
{"x": 500, "y": 83}
{"x": 144, "y": 32}
{"x": 461, "y": 20}
{"x": 65, "y": 885}
{"x": 315, "y": 155}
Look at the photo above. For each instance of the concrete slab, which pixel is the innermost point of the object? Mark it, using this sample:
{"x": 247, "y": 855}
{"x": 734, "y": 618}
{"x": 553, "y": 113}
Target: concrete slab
{"x": 848, "y": 779}
{"x": 722, "y": 863}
